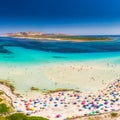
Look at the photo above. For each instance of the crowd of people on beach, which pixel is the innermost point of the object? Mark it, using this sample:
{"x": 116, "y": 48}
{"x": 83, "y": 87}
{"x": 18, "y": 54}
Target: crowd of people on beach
{"x": 71, "y": 103}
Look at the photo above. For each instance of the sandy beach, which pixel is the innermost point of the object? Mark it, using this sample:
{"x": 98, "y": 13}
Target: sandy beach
{"x": 98, "y": 82}
{"x": 82, "y": 76}
{"x": 62, "y": 105}
{"x": 87, "y": 76}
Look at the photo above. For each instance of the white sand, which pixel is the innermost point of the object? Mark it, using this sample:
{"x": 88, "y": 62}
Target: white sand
{"x": 71, "y": 109}
{"x": 84, "y": 76}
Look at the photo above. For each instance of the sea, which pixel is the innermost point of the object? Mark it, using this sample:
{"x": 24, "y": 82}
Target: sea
{"x": 30, "y": 52}
{"x": 15, "y": 50}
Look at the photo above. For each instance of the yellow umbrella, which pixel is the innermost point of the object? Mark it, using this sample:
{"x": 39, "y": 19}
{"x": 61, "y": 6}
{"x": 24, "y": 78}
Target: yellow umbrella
{"x": 32, "y": 108}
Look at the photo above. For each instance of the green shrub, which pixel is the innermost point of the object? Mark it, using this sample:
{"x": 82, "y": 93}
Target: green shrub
{"x": 114, "y": 114}
{"x": 17, "y": 116}
{"x": 1, "y": 92}
{"x": 3, "y": 118}
{"x": 36, "y": 118}
{"x": 21, "y": 116}
{"x": 3, "y": 108}
{"x": 1, "y": 99}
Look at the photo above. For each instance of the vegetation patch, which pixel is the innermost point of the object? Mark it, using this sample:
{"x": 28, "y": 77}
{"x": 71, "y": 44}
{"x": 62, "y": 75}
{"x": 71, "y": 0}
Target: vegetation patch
{"x": 58, "y": 90}
{"x": 3, "y": 118}
{"x": 3, "y": 108}
{"x": 1, "y": 99}
{"x": 9, "y": 85}
{"x": 6, "y": 83}
{"x": 34, "y": 89}
{"x": 1, "y": 93}
{"x": 21, "y": 116}
{"x": 114, "y": 114}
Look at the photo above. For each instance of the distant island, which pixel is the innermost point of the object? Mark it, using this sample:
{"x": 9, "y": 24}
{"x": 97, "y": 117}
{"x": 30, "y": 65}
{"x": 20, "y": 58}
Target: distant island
{"x": 65, "y": 37}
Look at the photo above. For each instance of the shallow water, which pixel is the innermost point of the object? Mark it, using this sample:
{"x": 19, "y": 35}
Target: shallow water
{"x": 19, "y": 57}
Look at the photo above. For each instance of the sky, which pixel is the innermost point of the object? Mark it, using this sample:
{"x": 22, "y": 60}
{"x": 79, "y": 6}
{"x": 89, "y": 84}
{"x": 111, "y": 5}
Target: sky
{"x": 80, "y": 17}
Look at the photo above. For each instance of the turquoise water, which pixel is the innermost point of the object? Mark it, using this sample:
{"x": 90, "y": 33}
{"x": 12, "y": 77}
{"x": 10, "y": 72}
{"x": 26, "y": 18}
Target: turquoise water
{"x": 19, "y": 56}
{"x": 32, "y": 51}
{"x": 28, "y": 56}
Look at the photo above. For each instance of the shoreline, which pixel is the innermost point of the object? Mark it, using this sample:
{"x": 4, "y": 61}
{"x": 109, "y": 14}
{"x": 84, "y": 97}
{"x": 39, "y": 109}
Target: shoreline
{"x": 60, "y": 76}
{"x": 59, "y": 39}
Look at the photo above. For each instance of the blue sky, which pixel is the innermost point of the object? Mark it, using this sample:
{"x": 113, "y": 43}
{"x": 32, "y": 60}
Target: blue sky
{"x": 60, "y": 16}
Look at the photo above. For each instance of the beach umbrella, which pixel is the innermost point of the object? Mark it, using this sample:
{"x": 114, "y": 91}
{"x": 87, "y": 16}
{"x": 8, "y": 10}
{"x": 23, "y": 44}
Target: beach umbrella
{"x": 80, "y": 109}
{"x": 30, "y": 100}
{"x": 96, "y": 99}
{"x": 78, "y": 97}
{"x": 113, "y": 109}
{"x": 106, "y": 103}
{"x": 61, "y": 102}
{"x": 71, "y": 95}
{"x": 93, "y": 113}
{"x": 44, "y": 105}
{"x": 48, "y": 117}
{"x": 85, "y": 98}
{"x": 19, "y": 110}
{"x": 106, "y": 99}
{"x": 106, "y": 106}
{"x": 83, "y": 102}
{"x": 56, "y": 99}
{"x": 29, "y": 113}
{"x": 51, "y": 99}
{"x": 97, "y": 106}
{"x": 27, "y": 108}
{"x": 69, "y": 117}
{"x": 65, "y": 105}
{"x": 58, "y": 115}
{"x": 105, "y": 110}
{"x": 56, "y": 105}
{"x": 35, "y": 105}
{"x": 74, "y": 103}
{"x": 100, "y": 105}
{"x": 32, "y": 108}
{"x": 97, "y": 111}
{"x": 15, "y": 101}
{"x": 75, "y": 95}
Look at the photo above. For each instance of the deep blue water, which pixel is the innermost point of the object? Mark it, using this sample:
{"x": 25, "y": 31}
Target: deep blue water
{"x": 58, "y": 46}
{"x": 24, "y": 50}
